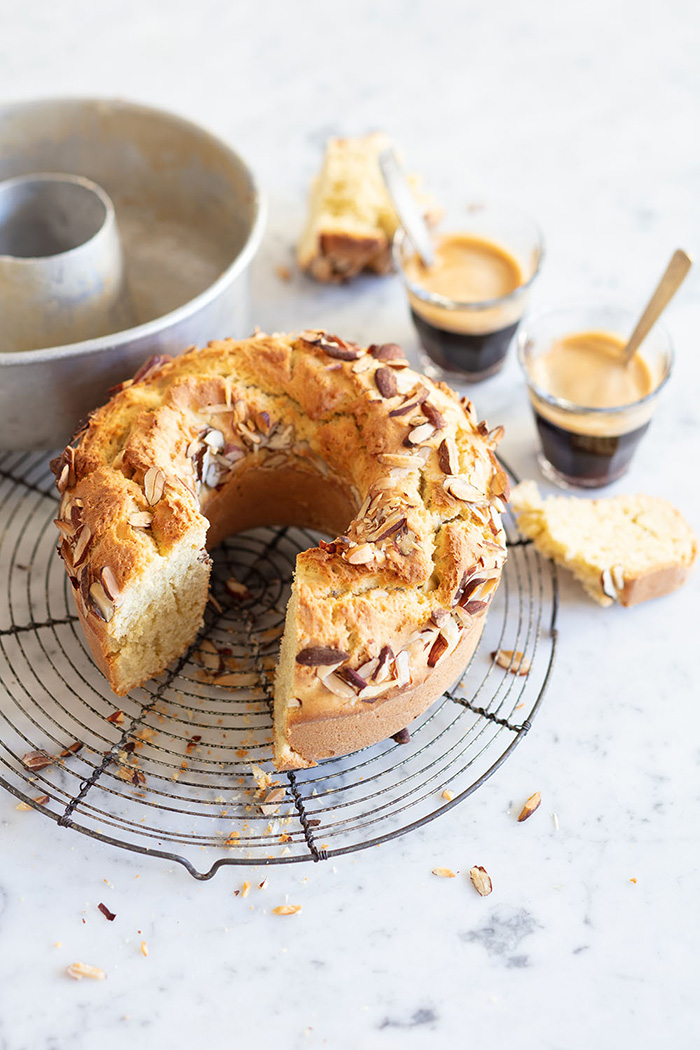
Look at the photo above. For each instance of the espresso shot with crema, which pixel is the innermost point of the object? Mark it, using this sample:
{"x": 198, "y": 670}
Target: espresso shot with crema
{"x": 591, "y": 405}
{"x": 467, "y": 304}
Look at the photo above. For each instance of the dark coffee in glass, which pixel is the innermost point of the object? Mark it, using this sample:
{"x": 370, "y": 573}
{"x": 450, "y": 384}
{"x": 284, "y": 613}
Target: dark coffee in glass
{"x": 591, "y": 405}
{"x": 466, "y": 305}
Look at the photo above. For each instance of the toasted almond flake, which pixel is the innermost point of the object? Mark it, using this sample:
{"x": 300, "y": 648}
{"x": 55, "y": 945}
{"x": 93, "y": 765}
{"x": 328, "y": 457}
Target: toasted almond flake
{"x": 385, "y": 380}
{"x": 403, "y": 668}
{"x": 237, "y": 590}
{"x": 512, "y": 660}
{"x": 245, "y": 889}
{"x": 462, "y": 490}
{"x": 79, "y": 970}
{"x": 360, "y": 555}
{"x": 421, "y": 433}
{"x": 444, "y": 873}
{"x": 144, "y": 949}
{"x": 214, "y": 439}
{"x": 286, "y": 909}
{"x": 406, "y": 460}
{"x": 271, "y": 803}
{"x": 36, "y": 760}
{"x": 66, "y": 527}
{"x": 617, "y": 574}
{"x": 447, "y": 795}
{"x": 153, "y": 485}
{"x": 448, "y": 456}
{"x": 321, "y": 656}
{"x": 140, "y": 519}
{"x": 481, "y": 880}
{"x": 338, "y": 687}
{"x": 102, "y": 606}
{"x": 109, "y": 583}
{"x": 81, "y": 544}
{"x": 530, "y": 806}
{"x": 116, "y": 718}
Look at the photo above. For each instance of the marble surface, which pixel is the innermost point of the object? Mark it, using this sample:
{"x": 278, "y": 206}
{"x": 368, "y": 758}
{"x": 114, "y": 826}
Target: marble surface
{"x": 586, "y": 114}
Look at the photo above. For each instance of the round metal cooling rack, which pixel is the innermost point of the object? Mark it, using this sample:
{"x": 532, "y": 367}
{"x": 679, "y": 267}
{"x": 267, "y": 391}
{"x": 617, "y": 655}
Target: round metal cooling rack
{"x": 180, "y": 769}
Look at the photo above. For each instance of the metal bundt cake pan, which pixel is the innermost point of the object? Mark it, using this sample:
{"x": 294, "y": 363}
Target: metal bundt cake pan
{"x": 190, "y": 218}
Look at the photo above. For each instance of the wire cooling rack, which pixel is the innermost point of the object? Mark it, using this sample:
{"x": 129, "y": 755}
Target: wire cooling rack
{"x": 180, "y": 769}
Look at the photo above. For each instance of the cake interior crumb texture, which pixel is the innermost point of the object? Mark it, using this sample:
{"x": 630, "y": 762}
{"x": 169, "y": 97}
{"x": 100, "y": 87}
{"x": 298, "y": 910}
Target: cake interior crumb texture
{"x": 643, "y": 539}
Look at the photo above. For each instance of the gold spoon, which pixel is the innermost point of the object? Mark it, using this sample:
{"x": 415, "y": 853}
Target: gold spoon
{"x": 673, "y": 277}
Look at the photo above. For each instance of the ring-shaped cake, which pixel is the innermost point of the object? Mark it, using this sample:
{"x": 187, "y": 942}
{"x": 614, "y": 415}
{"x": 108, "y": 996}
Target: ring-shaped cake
{"x": 309, "y": 430}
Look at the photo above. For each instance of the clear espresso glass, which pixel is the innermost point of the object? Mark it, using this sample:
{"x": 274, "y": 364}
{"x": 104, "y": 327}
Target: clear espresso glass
{"x": 463, "y": 340}
{"x": 585, "y": 447}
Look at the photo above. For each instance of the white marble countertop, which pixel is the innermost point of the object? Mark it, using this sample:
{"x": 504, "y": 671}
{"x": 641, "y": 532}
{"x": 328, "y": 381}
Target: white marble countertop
{"x": 586, "y": 114}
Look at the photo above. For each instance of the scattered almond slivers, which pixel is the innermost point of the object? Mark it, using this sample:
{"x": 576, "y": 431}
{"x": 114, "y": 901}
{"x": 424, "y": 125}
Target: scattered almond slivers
{"x": 530, "y": 806}
{"x": 444, "y": 873}
{"x": 447, "y": 795}
{"x": 286, "y": 909}
{"x": 512, "y": 660}
{"x": 481, "y": 880}
{"x": 144, "y": 949}
{"x": 79, "y": 970}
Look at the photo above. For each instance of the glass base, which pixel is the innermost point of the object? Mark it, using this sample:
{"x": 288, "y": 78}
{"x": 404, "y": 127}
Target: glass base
{"x": 570, "y": 484}
{"x": 445, "y": 375}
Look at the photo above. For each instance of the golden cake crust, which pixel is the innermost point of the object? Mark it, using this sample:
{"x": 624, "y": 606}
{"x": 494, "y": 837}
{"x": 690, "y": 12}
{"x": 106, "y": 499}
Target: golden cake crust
{"x": 306, "y": 430}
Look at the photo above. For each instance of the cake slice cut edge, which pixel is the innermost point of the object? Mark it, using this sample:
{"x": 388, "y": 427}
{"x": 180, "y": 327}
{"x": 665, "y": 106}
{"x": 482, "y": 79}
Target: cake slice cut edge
{"x": 625, "y": 548}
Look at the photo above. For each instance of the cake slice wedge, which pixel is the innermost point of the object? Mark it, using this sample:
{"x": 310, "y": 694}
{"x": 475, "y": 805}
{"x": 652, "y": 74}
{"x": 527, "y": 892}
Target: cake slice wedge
{"x": 625, "y": 549}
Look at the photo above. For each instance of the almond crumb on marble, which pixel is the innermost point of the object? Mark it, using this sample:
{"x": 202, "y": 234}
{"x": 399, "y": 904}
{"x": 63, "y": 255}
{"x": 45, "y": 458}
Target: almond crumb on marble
{"x": 79, "y": 970}
{"x": 633, "y": 879}
{"x": 530, "y": 806}
{"x": 286, "y": 909}
{"x": 444, "y": 873}
{"x": 447, "y": 795}
{"x": 481, "y": 880}
{"x": 245, "y": 889}
{"x": 144, "y": 949}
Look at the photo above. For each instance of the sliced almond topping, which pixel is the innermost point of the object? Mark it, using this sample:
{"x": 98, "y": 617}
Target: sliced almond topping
{"x": 495, "y": 436}
{"x": 321, "y": 656}
{"x": 444, "y": 873}
{"x": 402, "y": 664}
{"x": 462, "y": 490}
{"x": 437, "y": 650}
{"x": 352, "y": 677}
{"x": 109, "y": 583}
{"x": 481, "y": 880}
{"x": 608, "y": 587}
{"x": 421, "y": 433}
{"x": 387, "y": 352}
{"x": 617, "y": 574}
{"x": 386, "y": 656}
{"x": 338, "y": 687}
{"x": 66, "y": 527}
{"x": 140, "y": 519}
{"x": 431, "y": 413}
{"x": 116, "y": 718}
{"x": 153, "y": 485}
{"x": 79, "y": 970}
{"x": 360, "y": 555}
{"x": 530, "y": 806}
{"x": 36, "y": 760}
{"x": 402, "y": 459}
{"x": 101, "y": 605}
{"x": 386, "y": 382}
{"x": 214, "y": 439}
{"x": 448, "y": 456}
{"x": 512, "y": 660}
{"x": 81, "y": 545}
{"x": 271, "y": 803}
{"x": 237, "y": 590}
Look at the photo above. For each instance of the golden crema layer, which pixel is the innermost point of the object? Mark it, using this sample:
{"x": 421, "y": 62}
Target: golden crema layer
{"x": 467, "y": 269}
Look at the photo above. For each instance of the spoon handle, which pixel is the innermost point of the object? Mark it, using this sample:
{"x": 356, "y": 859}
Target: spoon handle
{"x": 673, "y": 277}
{"x": 407, "y": 210}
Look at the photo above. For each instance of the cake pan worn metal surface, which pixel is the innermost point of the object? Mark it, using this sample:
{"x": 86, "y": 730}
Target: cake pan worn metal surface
{"x": 190, "y": 217}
